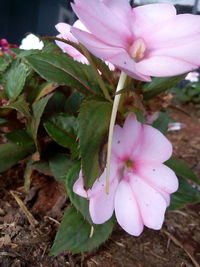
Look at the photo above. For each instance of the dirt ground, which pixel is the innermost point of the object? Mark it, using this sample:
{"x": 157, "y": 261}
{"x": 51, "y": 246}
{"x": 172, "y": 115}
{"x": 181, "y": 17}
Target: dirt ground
{"x": 27, "y": 233}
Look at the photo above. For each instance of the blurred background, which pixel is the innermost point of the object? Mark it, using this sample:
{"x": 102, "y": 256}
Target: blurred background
{"x": 18, "y": 18}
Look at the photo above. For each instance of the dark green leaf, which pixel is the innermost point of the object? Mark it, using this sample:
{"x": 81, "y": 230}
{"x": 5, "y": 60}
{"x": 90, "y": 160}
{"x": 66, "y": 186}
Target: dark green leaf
{"x": 186, "y": 194}
{"x": 15, "y": 80}
{"x": 38, "y": 109}
{"x": 45, "y": 89}
{"x": 74, "y": 234}
{"x": 11, "y": 153}
{"x": 62, "y": 128}
{"x": 94, "y": 119}
{"x": 20, "y": 105}
{"x": 162, "y": 122}
{"x": 3, "y": 121}
{"x": 159, "y": 85}
{"x": 20, "y": 137}
{"x": 181, "y": 169}
{"x": 42, "y": 167}
{"x": 60, "y": 164}
{"x": 62, "y": 69}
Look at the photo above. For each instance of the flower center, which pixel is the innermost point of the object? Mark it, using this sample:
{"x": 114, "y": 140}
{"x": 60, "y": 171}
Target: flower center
{"x": 137, "y": 50}
{"x": 129, "y": 164}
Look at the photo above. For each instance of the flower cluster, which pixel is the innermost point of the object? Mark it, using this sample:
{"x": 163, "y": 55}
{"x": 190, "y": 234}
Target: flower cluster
{"x": 140, "y": 184}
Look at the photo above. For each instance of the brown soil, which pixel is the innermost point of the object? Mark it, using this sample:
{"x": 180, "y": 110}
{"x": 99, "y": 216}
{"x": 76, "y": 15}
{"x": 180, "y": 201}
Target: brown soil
{"x": 26, "y": 240}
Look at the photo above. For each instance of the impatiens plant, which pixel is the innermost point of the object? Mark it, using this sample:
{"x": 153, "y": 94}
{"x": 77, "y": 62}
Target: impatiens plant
{"x": 82, "y": 109}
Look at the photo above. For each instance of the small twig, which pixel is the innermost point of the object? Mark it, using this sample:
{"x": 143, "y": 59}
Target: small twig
{"x": 29, "y": 216}
{"x": 52, "y": 219}
{"x": 178, "y": 243}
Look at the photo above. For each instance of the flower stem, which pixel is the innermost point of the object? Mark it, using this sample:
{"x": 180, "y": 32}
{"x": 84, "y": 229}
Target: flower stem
{"x": 120, "y": 86}
{"x": 98, "y": 76}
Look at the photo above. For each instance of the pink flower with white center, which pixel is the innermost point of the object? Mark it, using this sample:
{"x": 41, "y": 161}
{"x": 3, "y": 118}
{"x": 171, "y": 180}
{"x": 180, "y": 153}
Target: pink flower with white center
{"x": 150, "y": 40}
{"x": 140, "y": 184}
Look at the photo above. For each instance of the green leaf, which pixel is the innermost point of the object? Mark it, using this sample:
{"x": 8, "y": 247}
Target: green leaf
{"x": 11, "y": 153}
{"x": 59, "y": 165}
{"x": 185, "y": 195}
{"x": 42, "y": 167}
{"x": 94, "y": 119}
{"x": 20, "y": 137}
{"x": 181, "y": 169}
{"x": 80, "y": 203}
{"x": 20, "y": 105}
{"x": 3, "y": 121}
{"x": 162, "y": 122}
{"x": 74, "y": 233}
{"x": 62, "y": 128}
{"x": 61, "y": 69}
{"x": 158, "y": 85}
{"x": 45, "y": 89}
{"x": 15, "y": 80}
{"x": 38, "y": 109}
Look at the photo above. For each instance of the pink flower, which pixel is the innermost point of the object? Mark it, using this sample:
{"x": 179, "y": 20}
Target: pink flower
{"x": 149, "y": 40}
{"x": 65, "y": 33}
{"x": 140, "y": 184}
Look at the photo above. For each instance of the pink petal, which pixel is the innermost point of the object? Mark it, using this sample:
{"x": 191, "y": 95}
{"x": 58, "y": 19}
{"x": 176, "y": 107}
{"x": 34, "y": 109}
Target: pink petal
{"x": 132, "y": 131}
{"x": 79, "y": 25}
{"x": 117, "y": 143}
{"x": 180, "y": 30}
{"x": 121, "y": 8}
{"x": 163, "y": 66}
{"x": 126, "y": 210}
{"x": 188, "y": 52}
{"x": 101, "y": 205}
{"x": 154, "y": 146}
{"x": 159, "y": 176}
{"x": 100, "y": 20}
{"x": 148, "y": 17}
{"x": 64, "y": 29}
{"x": 152, "y": 204}
{"x": 78, "y": 187}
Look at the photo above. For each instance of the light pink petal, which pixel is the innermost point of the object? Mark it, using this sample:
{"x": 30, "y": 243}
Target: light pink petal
{"x": 78, "y": 187}
{"x": 100, "y": 21}
{"x": 148, "y": 17}
{"x": 121, "y": 9}
{"x": 117, "y": 56}
{"x": 65, "y": 33}
{"x": 180, "y": 30}
{"x": 163, "y": 66}
{"x": 188, "y": 52}
{"x": 159, "y": 176}
{"x": 132, "y": 130}
{"x": 155, "y": 147}
{"x": 79, "y": 25}
{"x": 152, "y": 204}
{"x": 118, "y": 150}
{"x": 101, "y": 205}
{"x": 126, "y": 210}
{"x": 99, "y": 185}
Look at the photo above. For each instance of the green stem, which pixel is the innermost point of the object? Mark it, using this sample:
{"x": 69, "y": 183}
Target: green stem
{"x": 98, "y": 76}
{"x": 120, "y": 86}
